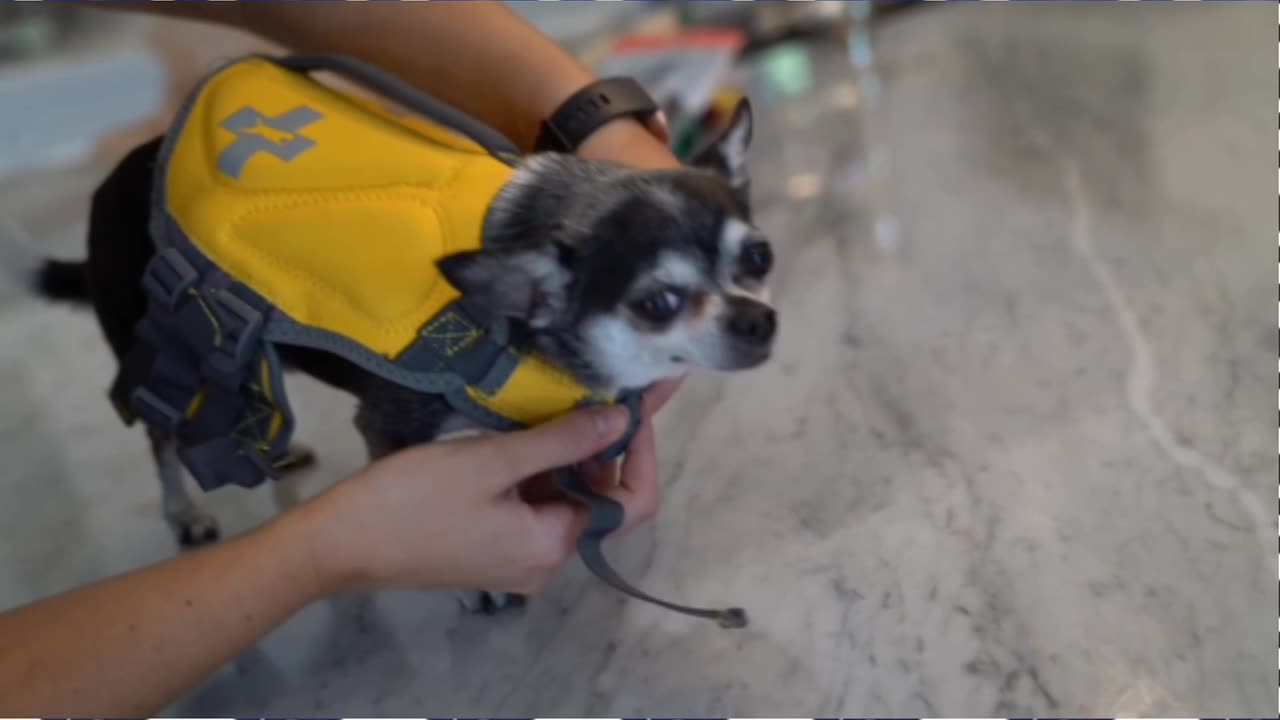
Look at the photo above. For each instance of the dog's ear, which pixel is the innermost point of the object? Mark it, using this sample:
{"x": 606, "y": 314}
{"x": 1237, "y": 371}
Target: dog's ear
{"x": 528, "y": 284}
{"x": 727, "y": 153}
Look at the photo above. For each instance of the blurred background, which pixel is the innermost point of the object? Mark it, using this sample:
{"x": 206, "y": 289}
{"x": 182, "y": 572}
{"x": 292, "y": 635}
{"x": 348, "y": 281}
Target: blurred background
{"x": 1014, "y": 454}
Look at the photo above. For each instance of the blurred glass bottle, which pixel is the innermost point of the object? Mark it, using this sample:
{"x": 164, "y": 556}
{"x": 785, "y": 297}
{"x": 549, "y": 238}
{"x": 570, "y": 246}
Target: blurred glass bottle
{"x": 862, "y": 57}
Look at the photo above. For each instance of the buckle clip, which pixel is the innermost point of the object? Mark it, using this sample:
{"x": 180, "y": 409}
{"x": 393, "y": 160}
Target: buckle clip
{"x": 168, "y": 277}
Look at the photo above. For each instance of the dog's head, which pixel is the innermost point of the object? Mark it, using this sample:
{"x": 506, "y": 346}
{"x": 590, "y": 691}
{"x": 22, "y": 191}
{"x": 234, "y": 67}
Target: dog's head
{"x": 626, "y": 277}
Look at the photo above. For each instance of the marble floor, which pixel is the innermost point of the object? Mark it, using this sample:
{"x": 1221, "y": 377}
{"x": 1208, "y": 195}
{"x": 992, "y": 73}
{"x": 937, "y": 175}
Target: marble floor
{"x": 1013, "y": 457}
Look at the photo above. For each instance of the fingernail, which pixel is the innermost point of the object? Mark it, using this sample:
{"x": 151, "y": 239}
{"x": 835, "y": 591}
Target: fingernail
{"x": 609, "y": 421}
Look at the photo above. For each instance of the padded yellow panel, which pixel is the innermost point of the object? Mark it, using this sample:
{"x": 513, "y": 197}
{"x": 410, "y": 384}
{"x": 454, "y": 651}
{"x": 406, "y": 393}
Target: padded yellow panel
{"x": 535, "y": 393}
{"x": 344, "y": 234}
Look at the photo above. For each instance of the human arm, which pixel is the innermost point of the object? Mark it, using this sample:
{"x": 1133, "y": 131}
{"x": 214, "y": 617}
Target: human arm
{"x": 444, "y": 515}
{"x": 479, "y": 57}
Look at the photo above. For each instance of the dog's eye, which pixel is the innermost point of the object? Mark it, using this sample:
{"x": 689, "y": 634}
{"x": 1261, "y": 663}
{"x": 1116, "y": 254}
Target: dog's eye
{"x": 659, "y": 306}
{"x": 757, "y": 259}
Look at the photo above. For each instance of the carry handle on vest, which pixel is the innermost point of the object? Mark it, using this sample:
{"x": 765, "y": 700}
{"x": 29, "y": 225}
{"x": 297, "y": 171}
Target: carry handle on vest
{"x": 393, "y": 88}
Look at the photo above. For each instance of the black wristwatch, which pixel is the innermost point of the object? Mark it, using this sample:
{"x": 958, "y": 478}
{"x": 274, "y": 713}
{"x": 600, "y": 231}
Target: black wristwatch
{"x": 594, "y": 105}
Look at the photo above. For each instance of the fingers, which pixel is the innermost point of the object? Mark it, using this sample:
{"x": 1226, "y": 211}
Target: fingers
{"x": 552, "y": 543}
{"x": 567, "y": 440}
{"x": 602, "y": 476}
{"x": 658, "y": 396}
{"x": 632, "y": 483}
{"x": 639, "y": 490}
{"x": 540, "y": 488}
{"x": 557, "y": 524}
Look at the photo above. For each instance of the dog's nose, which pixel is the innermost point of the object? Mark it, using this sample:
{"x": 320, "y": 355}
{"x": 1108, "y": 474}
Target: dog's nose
{"x": 753, "y": 322}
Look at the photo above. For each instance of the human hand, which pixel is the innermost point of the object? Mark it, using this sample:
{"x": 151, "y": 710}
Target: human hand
{"x": 450, "y": 514}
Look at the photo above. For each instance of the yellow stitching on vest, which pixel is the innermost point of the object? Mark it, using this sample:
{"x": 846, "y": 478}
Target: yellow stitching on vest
{"x": 277, "y": 422}
{"x": 265, "y": 374}
{"x": 193, "y": 407}
{"x": 277, "y": 417}
{"x": 213, "y": 319}
{"x": 250, "y": 422}
{"x": 435, "y": 331}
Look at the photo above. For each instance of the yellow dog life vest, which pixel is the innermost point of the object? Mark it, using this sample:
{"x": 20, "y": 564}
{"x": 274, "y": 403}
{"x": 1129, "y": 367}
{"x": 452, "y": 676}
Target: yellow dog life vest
{"x": 289, "y": 212}
{"x": 286, "y": 212}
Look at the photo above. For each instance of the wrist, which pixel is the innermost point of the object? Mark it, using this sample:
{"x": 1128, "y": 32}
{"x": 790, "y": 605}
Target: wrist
{"x": 558, "y": 88}
{"x": 630, "y": 142}
{"x": 607, "y": 119}
{"x": 303, "y": 537}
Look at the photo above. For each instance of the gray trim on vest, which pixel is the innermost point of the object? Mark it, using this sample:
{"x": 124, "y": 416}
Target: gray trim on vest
{"x": 392, "y": 87}
{"x": 159, "y": 201}
{"x": 459, "y": 400}
{"x": 499, "y": 372}
{"x": 282, "y": 329}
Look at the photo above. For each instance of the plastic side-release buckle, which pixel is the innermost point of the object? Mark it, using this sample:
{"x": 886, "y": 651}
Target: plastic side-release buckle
{"x": 168, "y": 277}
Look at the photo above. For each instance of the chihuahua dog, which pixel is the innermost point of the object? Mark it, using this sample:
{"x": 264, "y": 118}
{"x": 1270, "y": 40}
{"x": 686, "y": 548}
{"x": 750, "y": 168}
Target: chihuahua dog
{"x": 620, "y": 277}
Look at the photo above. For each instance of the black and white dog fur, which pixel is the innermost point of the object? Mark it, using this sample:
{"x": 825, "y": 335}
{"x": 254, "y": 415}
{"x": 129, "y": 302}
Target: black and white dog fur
{"x": 621, "y": 277}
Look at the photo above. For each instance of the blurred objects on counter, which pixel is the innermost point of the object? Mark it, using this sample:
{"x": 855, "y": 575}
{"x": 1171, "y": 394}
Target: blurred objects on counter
{"x": 685, "y": 71}
{"x": 30, "y": 29}
{"x": 85, "y": 86}
{"x": 66, "y": 82}
{"x": 862, "y": 56}
{"x": 773, "y": 22}
{"x": 687, "y": 54}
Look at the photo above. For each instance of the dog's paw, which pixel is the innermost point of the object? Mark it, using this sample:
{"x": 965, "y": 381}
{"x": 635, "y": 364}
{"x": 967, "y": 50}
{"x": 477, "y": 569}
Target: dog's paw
{"x": 196, "y": 528}
{"x": 483, "y": 602}
{"x": 299, "y": 457}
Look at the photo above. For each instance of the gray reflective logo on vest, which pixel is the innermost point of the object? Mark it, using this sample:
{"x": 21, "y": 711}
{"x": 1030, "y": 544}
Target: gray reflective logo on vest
{"x": 257, "y": 133}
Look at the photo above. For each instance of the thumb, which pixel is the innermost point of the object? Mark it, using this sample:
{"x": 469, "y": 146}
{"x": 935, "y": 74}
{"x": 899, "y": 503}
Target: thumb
{"x": 566, "y": 440}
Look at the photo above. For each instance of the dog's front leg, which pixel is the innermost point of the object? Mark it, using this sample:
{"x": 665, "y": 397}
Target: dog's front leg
{"x": 392, "y": 422}
{"x": 191, "y": 525}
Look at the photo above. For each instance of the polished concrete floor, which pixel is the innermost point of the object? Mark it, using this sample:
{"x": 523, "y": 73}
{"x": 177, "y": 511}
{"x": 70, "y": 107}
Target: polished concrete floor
{"x": 1013, "y": 457}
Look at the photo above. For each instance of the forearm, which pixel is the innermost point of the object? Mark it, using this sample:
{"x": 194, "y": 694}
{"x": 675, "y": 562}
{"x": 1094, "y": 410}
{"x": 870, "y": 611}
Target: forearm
{"x": 479, "y": 57}
{"x": 129, "y": 646}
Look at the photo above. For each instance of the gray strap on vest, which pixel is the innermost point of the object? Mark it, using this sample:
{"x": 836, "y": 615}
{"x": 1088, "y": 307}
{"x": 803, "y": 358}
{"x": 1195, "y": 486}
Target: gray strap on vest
{"x": 452, "y": 352}
{"x": 605, "y": 516}
{"x": 200, "y": 343}
{"x": 393, "y": 88}
{"x": 205, "y": 339}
